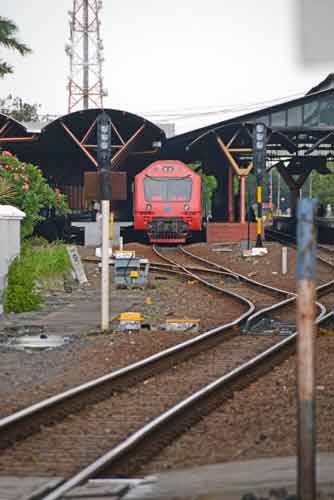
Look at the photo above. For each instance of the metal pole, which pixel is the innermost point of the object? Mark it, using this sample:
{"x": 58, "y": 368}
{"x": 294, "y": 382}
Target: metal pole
{"x": 242, "y": 199}
{"x": 306, "y": 251}
{"x": 103, "y": 156}
{"x": 258, "y": 243}
{"x": 278, "y": 194}
{"x": 270, "y": 217}
{"x": 259, "y": 158}
{"x": 105, "y": 266}
{"x": 85, "y": 55}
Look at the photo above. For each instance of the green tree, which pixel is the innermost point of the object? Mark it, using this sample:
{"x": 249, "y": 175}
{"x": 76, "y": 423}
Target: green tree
{"x": 33, "y": 191}
{"x": 8, "y": 32}
{"x": 323, "y": 188}
{"x": 209, "y": 186}
{"x": 19, "y": 110}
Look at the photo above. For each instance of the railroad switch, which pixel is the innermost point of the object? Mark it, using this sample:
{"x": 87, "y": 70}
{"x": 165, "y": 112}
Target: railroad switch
{"x": 181, "y": 325}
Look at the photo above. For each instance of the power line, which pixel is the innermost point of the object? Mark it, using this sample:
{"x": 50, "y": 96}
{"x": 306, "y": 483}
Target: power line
{"x": 191, "y": 113}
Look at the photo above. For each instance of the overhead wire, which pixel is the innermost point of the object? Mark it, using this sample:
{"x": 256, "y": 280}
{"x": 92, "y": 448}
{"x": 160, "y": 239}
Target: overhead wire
{"x": 186, "y": 113}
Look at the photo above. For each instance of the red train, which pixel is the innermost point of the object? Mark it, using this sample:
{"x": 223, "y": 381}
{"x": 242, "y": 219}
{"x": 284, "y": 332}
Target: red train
{"x": 168, "y": 201}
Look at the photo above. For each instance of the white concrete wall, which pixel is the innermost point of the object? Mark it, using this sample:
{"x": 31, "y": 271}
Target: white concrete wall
{"x": 93, "y": 231}
{"x": 10, "y": 241}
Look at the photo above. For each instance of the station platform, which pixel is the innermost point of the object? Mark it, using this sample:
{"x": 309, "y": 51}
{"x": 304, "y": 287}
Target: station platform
{"x": 267, "y": 478}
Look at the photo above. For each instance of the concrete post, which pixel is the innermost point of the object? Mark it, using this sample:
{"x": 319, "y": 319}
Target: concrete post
{"x": 10, "y": 221}
{"x": 284, "y": 260}
{"x": 105, "y": 266}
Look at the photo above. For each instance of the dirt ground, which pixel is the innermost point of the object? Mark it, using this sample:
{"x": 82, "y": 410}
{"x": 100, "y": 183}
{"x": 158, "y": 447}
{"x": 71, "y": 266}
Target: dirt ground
{"x": 264, "y": 415}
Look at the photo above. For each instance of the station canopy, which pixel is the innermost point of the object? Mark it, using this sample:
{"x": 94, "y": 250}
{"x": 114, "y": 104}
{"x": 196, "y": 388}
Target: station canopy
{"x": 300, "y": 135}
{"x": 67, "y": 147}
{"x": 15, "y": 137}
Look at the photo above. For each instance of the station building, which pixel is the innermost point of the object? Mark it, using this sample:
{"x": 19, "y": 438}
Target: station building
{"x": 300, "y": 139}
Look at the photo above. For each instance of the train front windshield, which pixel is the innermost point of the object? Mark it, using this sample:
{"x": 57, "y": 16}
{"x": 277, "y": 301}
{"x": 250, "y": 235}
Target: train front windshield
{"x": 167, "y": 189}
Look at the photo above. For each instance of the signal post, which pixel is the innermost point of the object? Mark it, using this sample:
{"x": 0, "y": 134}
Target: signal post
{"x": 103, "y": 157}
{"x": 259, "y": 153}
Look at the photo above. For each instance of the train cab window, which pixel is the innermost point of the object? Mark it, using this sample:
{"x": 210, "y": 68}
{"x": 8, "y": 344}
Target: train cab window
{"x": 167, "y": 189}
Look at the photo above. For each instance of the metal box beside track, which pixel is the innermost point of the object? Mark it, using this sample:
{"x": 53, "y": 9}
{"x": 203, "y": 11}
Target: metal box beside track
{"x": 130, "y": 270}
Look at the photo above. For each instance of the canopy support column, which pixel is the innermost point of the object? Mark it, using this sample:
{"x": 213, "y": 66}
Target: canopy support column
{"x": 243, "y": 199}
{"x": 230, "y": 195}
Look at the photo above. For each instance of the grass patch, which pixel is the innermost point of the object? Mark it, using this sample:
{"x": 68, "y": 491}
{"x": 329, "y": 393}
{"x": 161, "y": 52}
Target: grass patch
{"x": 36, "y": 264}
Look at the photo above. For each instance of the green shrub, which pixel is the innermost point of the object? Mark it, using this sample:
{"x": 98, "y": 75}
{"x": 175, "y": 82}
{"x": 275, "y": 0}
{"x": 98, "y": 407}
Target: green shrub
{"x": 20, "y": 294}
{"x": 38, "y": 241}
{"x": 20, "y": 298}
{"x": 32, "y": 192}
{"x": 35, "y": 264}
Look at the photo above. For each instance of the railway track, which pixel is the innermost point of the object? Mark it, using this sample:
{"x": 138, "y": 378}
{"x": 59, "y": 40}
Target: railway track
{"x": 324, "y": 251}
{"x": 53, "y": 409}
{"x": 146, "y": 442}
{"x": 202, "y": 383}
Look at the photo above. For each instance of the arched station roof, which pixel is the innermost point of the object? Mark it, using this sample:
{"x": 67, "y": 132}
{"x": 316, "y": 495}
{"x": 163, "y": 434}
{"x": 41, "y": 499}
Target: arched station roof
{"x": 66, "y": 147}
{"x": 15, "y": 137}
{"x": 11, "y": 128}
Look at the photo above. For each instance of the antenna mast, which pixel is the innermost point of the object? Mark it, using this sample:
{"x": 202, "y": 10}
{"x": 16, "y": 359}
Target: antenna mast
{"x": 84, "y": 49}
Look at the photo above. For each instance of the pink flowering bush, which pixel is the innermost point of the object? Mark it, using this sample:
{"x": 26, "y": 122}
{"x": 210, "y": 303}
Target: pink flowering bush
{"x": 32, "y": 190}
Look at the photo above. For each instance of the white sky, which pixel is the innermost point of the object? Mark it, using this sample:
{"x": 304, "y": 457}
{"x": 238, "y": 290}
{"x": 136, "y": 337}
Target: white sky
{"x": 166, "y": 54}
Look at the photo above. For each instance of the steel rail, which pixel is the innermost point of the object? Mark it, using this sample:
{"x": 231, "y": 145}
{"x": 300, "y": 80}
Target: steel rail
{"x": 326, "y": 248}
{"x": 189, "y": 269}
{"x": 168, "y": 417}
{"x": 241, "y": 277}
{"x": 93, "y": 384}
{"x": 169, "y": 268}
{"x": 291, "y": 240}
{"x": 117, "y": 376}
{"x": 114, "y": 378}
{"x": 194, "y": 268}
{"x": 253, "y": 318}
{"x": 256, "y": 315}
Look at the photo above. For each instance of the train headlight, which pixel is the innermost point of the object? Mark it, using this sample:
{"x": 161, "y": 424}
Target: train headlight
{"x": 148, "y": 207}
{"x": 186, "y": 206}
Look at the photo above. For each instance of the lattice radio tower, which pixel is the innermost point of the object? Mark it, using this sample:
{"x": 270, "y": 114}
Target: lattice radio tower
{"x": 85, "y": 48}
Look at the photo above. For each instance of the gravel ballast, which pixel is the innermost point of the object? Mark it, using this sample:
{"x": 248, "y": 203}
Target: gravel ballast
{"x": 258, "y": 422}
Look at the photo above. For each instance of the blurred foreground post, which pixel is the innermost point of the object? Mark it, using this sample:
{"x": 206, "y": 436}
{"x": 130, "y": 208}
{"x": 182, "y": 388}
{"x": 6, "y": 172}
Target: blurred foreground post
{"x": 306, "y": 257}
